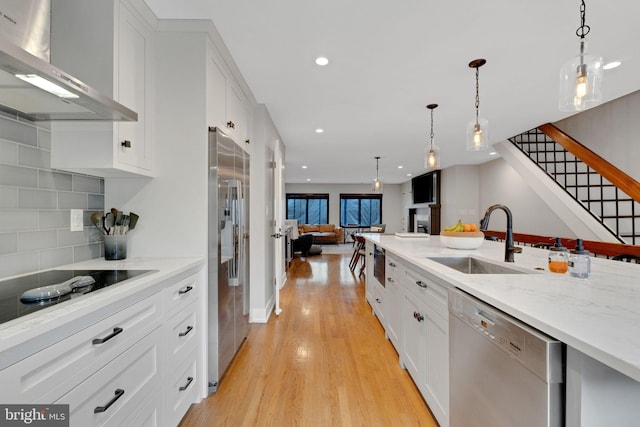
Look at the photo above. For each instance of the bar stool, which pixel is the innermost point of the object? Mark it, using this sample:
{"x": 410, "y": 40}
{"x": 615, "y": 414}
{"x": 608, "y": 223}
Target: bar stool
{"x": 358, "y": 252}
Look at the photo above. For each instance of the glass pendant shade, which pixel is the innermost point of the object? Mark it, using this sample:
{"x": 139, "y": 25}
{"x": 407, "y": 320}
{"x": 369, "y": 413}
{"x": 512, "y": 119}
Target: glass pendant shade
{"x": 432, "y": 157}
{"x": 478, "y": 134}
{"x": 581, "y": 81}
{"x": 376, "y": 187}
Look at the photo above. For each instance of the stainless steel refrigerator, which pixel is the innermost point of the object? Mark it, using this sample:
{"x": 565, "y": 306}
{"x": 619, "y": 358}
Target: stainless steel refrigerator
{"x": 228, "y": 263}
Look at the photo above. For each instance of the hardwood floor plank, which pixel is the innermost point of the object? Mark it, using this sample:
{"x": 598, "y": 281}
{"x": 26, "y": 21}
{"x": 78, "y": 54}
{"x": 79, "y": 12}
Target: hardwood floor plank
{"x": 323, "y": 362}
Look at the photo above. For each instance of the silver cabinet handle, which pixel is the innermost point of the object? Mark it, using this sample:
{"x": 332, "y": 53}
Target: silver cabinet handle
{"x": 126, "y": 143}
{"x": 186, "y": 385}
{"x": 390, "y": 280}
{"x": 378, "y": 300}
{"x": 115, "y": 332}
{"x": 419, "y": 317}
{"x": 118, "y": 394}
{"x": 189, "y": 329}
{"x": 391, "y": 264}
{"x": 185, "y": 290}
{"x": 421, "y": 284}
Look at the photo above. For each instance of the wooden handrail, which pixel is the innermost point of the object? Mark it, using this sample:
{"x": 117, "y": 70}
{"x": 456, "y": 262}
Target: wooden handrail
{"x": 624, "y": 182}
{"x": 595, "y": 247}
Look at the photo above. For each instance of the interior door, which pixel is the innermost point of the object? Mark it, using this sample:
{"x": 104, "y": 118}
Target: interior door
{"x": 279, "y": 217}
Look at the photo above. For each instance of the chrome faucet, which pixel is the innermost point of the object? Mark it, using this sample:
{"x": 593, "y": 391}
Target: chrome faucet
{"x": 509, "y": 248}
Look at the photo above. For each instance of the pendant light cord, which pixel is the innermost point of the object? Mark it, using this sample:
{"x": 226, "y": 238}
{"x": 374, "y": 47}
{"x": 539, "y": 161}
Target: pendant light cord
{"x": 477, "y": 93}
{"x": 583, "y": 29}
{"x": 431, "y": 135}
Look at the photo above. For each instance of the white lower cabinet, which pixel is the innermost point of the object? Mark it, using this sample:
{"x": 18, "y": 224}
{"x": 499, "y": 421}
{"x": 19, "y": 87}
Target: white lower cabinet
{"x": 116, "y": 391}
{"x": 394, "y": 296}
{"x": 136, "y": 367}
{"x": 426, "y": 340}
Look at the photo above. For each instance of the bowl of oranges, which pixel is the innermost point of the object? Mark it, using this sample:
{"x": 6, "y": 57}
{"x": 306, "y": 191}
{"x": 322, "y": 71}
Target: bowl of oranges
{"x": 462, "y": 236}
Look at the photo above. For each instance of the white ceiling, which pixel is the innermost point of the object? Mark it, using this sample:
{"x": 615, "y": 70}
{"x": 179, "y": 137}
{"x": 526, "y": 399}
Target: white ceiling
{"x": 389, "y": 59}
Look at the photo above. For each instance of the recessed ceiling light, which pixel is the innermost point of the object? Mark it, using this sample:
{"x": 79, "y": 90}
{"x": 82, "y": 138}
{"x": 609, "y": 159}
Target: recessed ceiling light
{"x": 493, "y": 153}
{"x": 308, "y": 179}
{"x": 409, "y": 174}
{"x": 400, "y": 167}
{"x": 304, "y": 166}
{"x": 319, "y": 130}
{"x": 611, "y": 65}
{"x": 322, "y": 61}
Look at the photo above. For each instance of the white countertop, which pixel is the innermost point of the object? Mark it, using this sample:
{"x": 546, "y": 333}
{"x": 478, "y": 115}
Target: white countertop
{"x": 598, "y": 316}
{"x": 51, "y": 323}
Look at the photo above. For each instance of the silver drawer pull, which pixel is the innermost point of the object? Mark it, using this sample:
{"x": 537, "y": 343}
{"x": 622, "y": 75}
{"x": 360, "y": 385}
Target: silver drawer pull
{"x": 390, "y": 280}
{"x": 421, "y": 284}
{"x": 419, "y": 317}
{"x": 115, "y": 332}
{"x": 98, "y": 409}
{"x": 391, "y": 264}
{"x": 185, "y": 290}
{"x": 187, "y": 384}
{"x": 189, "y": 329}
{"x": 378, "y": 300}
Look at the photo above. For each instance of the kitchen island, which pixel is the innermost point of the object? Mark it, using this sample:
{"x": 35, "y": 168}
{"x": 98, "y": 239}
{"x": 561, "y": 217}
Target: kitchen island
{"x": 597, "y": 318}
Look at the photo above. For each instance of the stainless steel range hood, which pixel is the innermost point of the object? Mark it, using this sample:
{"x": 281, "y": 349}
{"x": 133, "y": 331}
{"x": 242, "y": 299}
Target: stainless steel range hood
{"x": 33, "y": 103}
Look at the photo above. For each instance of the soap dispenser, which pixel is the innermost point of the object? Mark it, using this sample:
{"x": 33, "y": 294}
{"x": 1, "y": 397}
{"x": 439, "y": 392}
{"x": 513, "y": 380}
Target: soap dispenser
{"x": 558, "y": 258}
{"x": 579, "y": 261}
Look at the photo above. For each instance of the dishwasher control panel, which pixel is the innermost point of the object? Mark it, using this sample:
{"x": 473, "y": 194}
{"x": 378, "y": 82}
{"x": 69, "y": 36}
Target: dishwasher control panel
{"x": 519, "y": 340}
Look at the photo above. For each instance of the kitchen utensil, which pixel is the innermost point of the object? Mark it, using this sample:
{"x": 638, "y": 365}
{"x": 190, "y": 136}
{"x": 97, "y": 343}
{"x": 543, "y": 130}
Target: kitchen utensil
{"x": 119, "y": 217}
{"x": 109, "y": 220}
{"x": 96, "y": 220}
{"x": 57, "y": 290}
{"x": 133, "y": 220}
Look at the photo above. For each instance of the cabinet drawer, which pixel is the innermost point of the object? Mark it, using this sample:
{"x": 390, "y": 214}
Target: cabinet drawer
{"x": 181, "y": 294}
{"x": 182, "y": 333}
{"x": 183, "y": 389}
{"x": 48, "y": 374}
{"x": 115, "y": 392}
{"x": 432, "y": 293}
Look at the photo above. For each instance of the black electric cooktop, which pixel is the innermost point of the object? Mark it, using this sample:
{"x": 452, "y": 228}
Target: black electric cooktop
{"x": 12, "y": 307}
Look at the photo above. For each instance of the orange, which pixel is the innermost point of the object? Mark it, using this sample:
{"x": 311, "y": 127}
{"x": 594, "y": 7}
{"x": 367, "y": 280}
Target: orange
{"x": 466, "y": 227}
{"x": 473, "y": 227}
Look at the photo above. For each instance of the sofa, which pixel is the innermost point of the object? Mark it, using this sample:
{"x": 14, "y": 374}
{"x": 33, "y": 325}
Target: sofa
{"x": 322, "y": 233}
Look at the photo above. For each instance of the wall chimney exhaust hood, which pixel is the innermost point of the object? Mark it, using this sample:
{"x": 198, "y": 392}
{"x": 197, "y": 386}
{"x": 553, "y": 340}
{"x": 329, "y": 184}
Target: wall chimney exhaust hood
{"x": 75, "y": 100}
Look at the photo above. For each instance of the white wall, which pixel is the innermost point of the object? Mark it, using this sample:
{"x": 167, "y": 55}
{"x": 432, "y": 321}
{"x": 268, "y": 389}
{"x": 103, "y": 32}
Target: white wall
{"x": 611, "y": 130}
{"x": 460, "y": 187}
{"x": 262, "y": 260}
{"x": 392, "y": 202}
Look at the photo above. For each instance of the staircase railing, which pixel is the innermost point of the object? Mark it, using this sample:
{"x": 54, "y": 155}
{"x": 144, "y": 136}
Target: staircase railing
{"x": 607, "y": 193}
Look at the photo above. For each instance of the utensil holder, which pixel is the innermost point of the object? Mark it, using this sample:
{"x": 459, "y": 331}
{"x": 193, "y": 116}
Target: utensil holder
{"x": 115, "y": 247}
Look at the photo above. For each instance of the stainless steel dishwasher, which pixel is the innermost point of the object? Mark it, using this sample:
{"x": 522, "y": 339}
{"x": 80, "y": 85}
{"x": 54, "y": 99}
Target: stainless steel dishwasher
{"x": 503, "y": 373}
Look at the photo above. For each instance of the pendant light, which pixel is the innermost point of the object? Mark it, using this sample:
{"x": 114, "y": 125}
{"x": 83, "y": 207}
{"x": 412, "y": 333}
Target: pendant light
{"x": 432, "y": 152}
{"x": 377, "y": 183}
{"x": 581, "y": 76}
{"x": 478, "y": 129}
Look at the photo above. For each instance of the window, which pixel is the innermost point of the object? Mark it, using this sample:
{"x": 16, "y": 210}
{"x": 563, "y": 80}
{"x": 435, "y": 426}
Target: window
{"x": 308, "y": 208}
{"x": 361, "y": 209}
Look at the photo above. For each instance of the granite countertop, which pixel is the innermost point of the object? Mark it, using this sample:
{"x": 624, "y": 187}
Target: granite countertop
{"x": 598, "y": 316}
{"x": 54, "y": 322}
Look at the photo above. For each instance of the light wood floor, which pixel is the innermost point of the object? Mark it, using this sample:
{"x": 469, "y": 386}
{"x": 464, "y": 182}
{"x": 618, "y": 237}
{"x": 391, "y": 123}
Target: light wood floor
{"x": 323, "y": 362}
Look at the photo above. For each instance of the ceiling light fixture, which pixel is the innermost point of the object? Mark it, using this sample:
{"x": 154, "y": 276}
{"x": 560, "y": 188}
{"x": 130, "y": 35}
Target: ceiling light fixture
{"x": 377, "y": 183}
{"x": 478, "y": 129}
{"x": 322, "y": 61}
{"x": 319, "y": 130}
{"x": 581, "y": 76}
{"x": 304, "y": 166}
{"x": 432, "y": 152}
{"x": 611, "y": 65}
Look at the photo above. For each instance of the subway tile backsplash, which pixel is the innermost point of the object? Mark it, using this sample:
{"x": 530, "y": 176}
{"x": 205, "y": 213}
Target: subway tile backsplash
{"x": 35, "y": 204}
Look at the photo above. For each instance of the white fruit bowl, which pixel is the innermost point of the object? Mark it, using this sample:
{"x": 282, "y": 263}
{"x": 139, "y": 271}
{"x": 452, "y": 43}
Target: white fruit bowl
{"x": 462, "y": 239}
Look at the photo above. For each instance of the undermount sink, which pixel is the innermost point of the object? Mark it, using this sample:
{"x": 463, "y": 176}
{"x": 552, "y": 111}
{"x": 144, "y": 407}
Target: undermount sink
{"x": 469, "y": 265}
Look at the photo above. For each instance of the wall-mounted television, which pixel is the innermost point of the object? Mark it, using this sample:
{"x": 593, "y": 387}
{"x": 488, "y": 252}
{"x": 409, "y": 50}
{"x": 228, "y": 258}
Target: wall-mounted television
{"x": 423, "y": 188}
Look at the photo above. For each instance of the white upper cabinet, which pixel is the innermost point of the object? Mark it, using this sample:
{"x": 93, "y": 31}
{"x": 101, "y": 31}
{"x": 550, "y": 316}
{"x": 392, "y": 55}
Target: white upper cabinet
{"x": 109, "y": 45}
{"x": 226, "y": 104}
